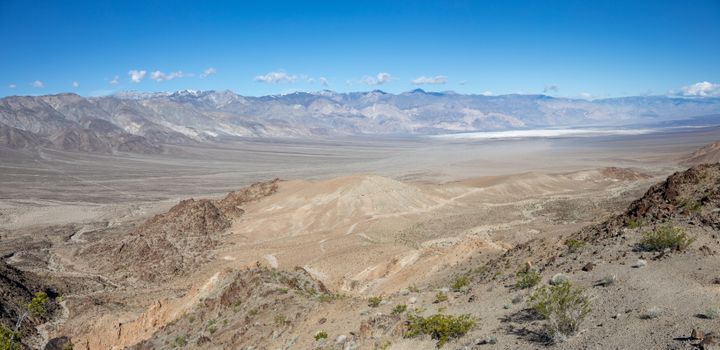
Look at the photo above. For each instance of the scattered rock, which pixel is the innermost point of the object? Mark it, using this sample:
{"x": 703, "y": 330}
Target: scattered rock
{"x": 488, "y": 340}
{"x": 322, "y": 320}
{"x": 412, "y": 300}
{"x": 341, "y": 339}
{"x": 640, "y": 263}
{"x": 708, "y": 343}
{"x": 588, "y": 267}
{"x": 697, "y": 334}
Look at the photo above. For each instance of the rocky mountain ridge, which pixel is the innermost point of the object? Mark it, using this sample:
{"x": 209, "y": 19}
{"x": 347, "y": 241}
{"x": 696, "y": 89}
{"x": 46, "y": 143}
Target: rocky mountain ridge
{"x": 141, "y": 122}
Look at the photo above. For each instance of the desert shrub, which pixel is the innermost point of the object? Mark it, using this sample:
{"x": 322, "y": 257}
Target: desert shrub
{"x": 712, "y": 313}
{"x": 414, "y": 289}
{"x": 563, "y": 307}
{"x": 439, "y": 327}
{"x": 321, "y": 335}
{"x": 527, "y": 278}
{"x": 399, "y": 309}
{"x": 690, "y": 206}
{"x": 460, "y": 283}
{"x": 180, "y": 341}
{"x": 329, "y": 297}
{"x": 281, "y": 320}
{"x": 574, "y": 245}
{"x": 634, "y": 223}
{"x": 212, "y": 326}
{"x": 37, "y": 304}
{"x": 440, "y": 297}
{"x": 374, "y": 301}
{"x": 5, "y": 335}
{"x": 665, "y": 237}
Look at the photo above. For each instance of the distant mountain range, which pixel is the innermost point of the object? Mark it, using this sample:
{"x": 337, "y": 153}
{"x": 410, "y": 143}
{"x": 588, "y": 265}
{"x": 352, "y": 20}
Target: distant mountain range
{"x": 143, "y": 122}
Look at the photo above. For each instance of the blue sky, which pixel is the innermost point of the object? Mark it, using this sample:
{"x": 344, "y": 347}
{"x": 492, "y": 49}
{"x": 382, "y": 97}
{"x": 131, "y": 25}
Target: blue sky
{"x": 563, "y": 48}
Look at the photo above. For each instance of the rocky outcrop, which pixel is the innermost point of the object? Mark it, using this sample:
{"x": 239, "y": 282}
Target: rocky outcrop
{"x": 692, "y": 195}
{"x": 178, "y": 241}
{"x": 231, "y": 204}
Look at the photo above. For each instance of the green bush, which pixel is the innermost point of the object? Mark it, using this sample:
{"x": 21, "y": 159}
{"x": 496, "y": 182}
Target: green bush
{"x": 574, "y": 245}
{"x": 634, "y": 223}
{"x": 399, "y": 309}
{"x": 527, "y": 278}
{"x": 281, "y": 320}
{"x": 212, "y": 326}
{"x": 665, "y": 237}
{"x": 321, "y": 335}
{"x": 180, "y": 341}
{"x": 439, "y": 327}
{"x": 460, "y": 283}
{"x": 564, "y": 308}
{"x": 374, "y": 301}
{"x": 5, "y": 335}
{"x": 440, "y": 297}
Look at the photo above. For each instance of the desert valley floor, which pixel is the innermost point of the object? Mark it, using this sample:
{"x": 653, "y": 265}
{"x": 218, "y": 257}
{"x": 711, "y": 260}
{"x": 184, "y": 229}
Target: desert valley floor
{"x": 331, "y": 223}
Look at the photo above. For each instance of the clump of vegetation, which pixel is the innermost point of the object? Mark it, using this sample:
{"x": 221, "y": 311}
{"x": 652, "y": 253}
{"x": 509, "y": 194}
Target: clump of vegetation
{"x": 374, "y": 301}
{"x": 712, "y": 313}
{"x": 665, "y": 237}
{"x": 36, "y": 307}
{"x": 460, "y": 283}
{"x": 399, "y": 309}
{"x": 574, "y": 245}
{"x": 5, "y": 335}
{"x": 281, "y": 320}
{"x": 527, "y": 278}
{"x": 330, "y": 297}
{"x": 563, "y": 306}
{"x": 634, "y": 223}
{"x": 180, "y": 341}
{"x": 440, "y": 297}
{"x": 321, "y": 335}
{"x": 439, "y": 327}
{"x": 414, "y": 289}
{"x": 212, "y": 326}
{"x": 690, "y": 206}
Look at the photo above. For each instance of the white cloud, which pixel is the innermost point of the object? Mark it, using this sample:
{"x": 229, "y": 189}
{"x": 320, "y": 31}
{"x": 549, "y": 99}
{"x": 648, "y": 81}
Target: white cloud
{"x": 379, "y": 79}
{"x": 137, "y": 76}
{"x": 75, "y": 84}
{"x": 208, "y": 72}
{"x": 323, "y": 81}
{"x": 160, "y": 76}
{"x": 423, "y": 80}
{"x": 37, "y": 84}
{"x": 276, "y": 77}
{"x": 12, "y": 86}
{"x": 463, "y": 82}
{"x": 115, "y": 80}
{"x": 487, "y": 93}
{"x": 701, "y": 89}
{"x": 585, "y": 95}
